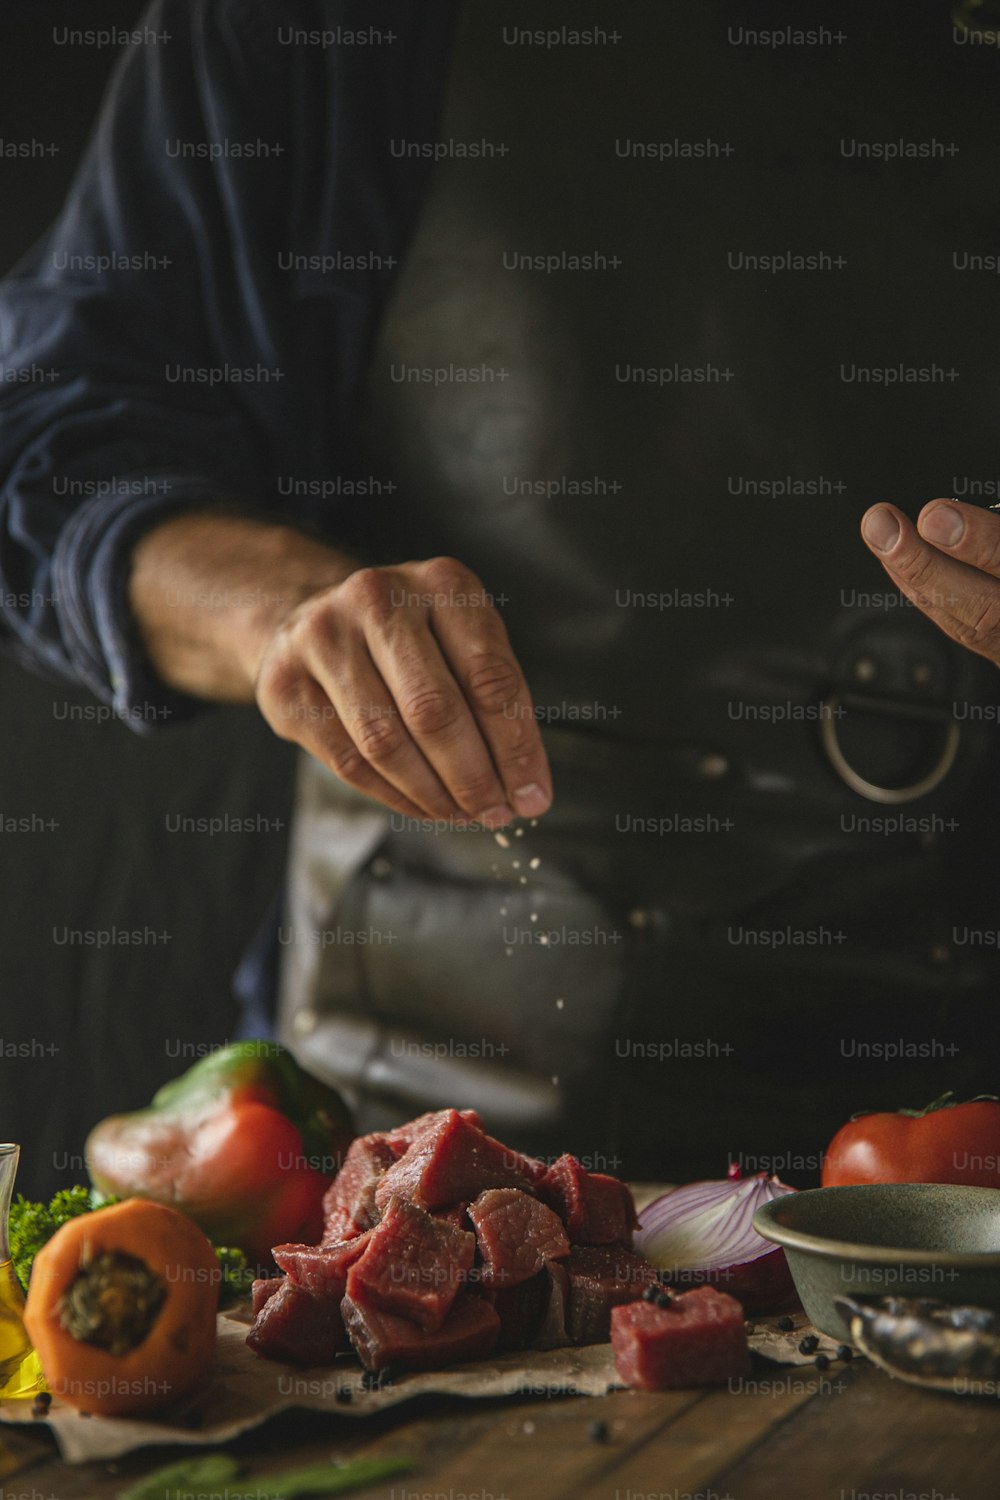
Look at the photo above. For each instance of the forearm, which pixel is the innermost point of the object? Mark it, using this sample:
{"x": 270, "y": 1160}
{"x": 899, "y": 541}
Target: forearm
{"x": 208, "y": 592}
{"x": 400, "y": 679}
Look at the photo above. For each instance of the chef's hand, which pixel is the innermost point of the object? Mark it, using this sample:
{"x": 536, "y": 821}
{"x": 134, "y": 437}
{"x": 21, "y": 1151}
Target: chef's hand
{"x": 402, "y": 680}
{"x": 948, "y": 565}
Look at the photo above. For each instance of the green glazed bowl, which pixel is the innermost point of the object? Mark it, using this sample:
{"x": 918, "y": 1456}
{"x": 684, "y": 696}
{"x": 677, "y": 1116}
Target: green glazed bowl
{"x": 907, "y": 1239}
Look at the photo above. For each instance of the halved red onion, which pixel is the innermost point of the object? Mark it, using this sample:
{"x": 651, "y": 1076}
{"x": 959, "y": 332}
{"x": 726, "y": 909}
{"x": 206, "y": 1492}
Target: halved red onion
{"x": 703, "y": 1234}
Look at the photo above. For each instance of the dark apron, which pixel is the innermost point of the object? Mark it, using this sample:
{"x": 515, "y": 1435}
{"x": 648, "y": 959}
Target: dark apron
{"x": 761, "y": 901}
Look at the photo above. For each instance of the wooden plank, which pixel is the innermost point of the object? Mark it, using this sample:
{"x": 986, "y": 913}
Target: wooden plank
{"x": 860, "y": 1433}
{"x": 532, "y": 1446}
{"x": 545, "y": 1446}
{"x": 883, "y": 1437}
{"x": 286, "y": 1442}
{"x": 683, "y": 1455}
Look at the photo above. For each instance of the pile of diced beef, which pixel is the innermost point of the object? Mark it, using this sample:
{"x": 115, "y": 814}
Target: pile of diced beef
{"x": 443, "y": 1244}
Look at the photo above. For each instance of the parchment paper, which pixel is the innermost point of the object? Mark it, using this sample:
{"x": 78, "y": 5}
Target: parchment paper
{"x": 243, "y": 1390}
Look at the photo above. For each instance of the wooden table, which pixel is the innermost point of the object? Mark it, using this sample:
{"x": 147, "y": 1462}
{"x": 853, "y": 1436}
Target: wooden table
{"x": 792, "y": 1434}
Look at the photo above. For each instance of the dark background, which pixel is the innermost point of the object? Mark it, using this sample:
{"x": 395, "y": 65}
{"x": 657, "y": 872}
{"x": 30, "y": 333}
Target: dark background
{"x": 120, "y": 1017}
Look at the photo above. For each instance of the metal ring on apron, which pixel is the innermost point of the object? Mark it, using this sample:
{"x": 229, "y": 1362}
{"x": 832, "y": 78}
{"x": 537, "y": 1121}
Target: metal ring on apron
{"x": 859, "y": 783}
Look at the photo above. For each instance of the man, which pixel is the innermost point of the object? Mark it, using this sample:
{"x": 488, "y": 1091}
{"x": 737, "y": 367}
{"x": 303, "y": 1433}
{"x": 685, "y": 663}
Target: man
{"x": 615, "y": 322}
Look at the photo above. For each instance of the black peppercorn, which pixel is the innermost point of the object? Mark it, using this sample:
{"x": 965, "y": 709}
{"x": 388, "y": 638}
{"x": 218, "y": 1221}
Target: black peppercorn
{"x": 664, "y": 1299}
{"x": 822, "y": 1361}
{"x": 650, "y": 1294}
{"x": 345, "y": 1395}
{"x": 786, "y": 1325}
{"x": 845, "y": 1352}
{"x": 598, "y": 1432}
{"x": 809, "y": 1344}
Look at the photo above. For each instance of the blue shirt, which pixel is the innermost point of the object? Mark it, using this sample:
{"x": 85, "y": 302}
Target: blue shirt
{"x": 155, "y": 353}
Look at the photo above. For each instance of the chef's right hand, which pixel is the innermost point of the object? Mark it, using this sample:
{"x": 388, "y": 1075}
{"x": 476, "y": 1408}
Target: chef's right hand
{"x": 402, "y": 681}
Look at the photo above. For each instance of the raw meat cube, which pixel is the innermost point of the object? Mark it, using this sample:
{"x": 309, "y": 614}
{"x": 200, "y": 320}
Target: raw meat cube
{"x": 295, "y": 1326}
{"x": 596, "y": 1209}
{"x": 339, "y": 1225}
{"x": 521, "y": 1310}
{"x": 263, "y": 1288}
{"x": 516, "y": 1235}
{"x": 403, "y": 1136}
{"x": 700, "y": 1339}
{"x": 451, "y": 1159}
{"x": 382, "y": 1339}
{"x": 414, "y": 1266}
{"x": 353, "y": 1188}
{"x": 601, "y": 1278}
{"x": 322, "y": 1269}
{"x": 527, "y": 1166}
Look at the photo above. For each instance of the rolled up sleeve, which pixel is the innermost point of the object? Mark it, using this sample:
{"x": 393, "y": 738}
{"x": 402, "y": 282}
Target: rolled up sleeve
{"x": 155, "y": 355}
{"x": 120, "y": 336}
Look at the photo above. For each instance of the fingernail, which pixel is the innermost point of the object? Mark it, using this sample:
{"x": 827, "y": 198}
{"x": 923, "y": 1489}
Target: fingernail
{"x": 943, "y": 524}
{"x": 880, "y": 527}
{"x": 530, "y": 800}
{"x": 495, "y": 817}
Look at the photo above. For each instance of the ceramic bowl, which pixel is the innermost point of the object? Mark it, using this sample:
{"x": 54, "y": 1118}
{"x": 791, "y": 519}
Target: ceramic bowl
{"x": 909, "y": 1239}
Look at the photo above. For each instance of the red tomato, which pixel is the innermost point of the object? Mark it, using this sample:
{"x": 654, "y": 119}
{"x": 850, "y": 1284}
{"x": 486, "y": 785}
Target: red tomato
{"x": 944, "y": 1143}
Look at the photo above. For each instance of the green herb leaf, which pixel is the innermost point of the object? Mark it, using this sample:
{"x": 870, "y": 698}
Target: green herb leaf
{"x": 31, "y": 1225}
{"x": 189, "y": 1476}
{"x": 327, "y": 1479}
{"x": 193, "y": 1478}
{"x": 237, "y": 1276}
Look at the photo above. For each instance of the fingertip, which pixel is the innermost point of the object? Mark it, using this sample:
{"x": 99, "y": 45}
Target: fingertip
{"x": 880, "y": 527}
{"x": 495, "y": 817}
{"x": 532, "y": 800}
{"x": 941, "y": 522}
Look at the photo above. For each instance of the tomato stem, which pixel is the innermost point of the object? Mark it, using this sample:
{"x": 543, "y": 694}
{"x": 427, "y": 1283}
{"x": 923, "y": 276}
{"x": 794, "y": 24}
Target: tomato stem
{"x": 946, "y": 1100}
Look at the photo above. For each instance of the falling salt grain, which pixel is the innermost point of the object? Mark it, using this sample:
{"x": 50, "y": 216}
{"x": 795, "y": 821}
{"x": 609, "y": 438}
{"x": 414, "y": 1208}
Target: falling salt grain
{"x": 503, "y": 911}
{"x": 533, "y": 917}
{"x": 534, "y": 823}
{"x": 534, "y": 863}
{"x": 519, "y": 833}
{"x": 523, "y": 879}
{"x": 528, "y": 1427}
{"x": 502, "y": 840}
{"x": 543, "y": 940}
{"x": 515, "y": 864}
{"x": 508, "y": 951}
{"x": 555, "y": 1079}
{"x": 560, "y": 1003}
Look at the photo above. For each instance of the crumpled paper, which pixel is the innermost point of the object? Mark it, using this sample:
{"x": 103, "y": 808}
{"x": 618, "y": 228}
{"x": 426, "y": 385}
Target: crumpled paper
{"x": 244, "y": 1390}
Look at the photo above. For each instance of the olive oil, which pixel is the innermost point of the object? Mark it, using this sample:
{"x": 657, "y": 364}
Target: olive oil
{"x": 20, "y": 1370}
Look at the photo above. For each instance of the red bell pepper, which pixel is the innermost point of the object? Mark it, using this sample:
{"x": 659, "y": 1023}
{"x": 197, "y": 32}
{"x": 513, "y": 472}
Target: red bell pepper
{"x": 245, "y": 1143}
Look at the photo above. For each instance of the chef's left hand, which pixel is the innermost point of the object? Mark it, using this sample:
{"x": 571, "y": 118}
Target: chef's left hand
{"x": 948, "y": 565}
